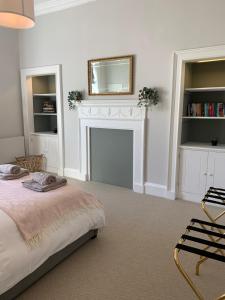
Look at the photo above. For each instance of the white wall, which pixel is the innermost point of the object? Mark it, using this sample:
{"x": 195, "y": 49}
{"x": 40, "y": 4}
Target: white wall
{"x": 10, "y": 95}
{"x": 150, "y": 29}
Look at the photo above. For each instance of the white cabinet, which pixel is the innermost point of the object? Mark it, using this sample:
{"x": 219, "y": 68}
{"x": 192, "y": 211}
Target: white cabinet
{"x": 48, "y": 146}
{"x": 200, "y": 169}
{"x": 216, "y": 170}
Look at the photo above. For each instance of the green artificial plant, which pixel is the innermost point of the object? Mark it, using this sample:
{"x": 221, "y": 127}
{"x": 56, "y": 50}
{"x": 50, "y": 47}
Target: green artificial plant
{"x": 148, "y": 97}
{"x": 74, "y": 97}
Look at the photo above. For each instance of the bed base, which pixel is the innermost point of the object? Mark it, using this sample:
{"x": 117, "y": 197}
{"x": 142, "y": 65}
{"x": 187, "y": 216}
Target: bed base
{"x": 47, "y": 266}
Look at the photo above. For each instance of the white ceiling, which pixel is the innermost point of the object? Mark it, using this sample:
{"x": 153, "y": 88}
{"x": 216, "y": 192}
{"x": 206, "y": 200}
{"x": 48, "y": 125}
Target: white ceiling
{"x": 49, "y": 6}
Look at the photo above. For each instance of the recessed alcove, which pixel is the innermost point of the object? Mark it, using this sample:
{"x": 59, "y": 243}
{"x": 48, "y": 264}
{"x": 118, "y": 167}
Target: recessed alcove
{"x": 111, "y": 156}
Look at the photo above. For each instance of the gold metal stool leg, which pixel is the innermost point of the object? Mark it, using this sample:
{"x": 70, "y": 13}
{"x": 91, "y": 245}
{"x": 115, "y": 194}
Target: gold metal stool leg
{"x": 185, "y": 275}
{"x": 201, "y": 260}
{"x": 213, "y": 220}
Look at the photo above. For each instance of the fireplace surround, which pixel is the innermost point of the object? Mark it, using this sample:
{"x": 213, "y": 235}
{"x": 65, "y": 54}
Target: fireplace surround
{"x": 113, "y": 114}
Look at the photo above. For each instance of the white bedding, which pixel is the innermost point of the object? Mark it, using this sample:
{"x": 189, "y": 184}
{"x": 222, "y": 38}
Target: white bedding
{"x": 17, "y": 260}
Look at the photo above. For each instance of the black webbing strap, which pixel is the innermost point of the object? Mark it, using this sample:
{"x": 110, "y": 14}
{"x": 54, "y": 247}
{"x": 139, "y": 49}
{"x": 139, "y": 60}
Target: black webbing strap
{"x": 208, "y": 224}
{"x": 212, "y": 201}
{"x": 216, "y": 192}
{"x": 214, "y": 197}
{"x": 217, "y": 189}
{"x": 208, "y": 232}
{"x": 202, "y": 241}
{"x": 201, "y": 252}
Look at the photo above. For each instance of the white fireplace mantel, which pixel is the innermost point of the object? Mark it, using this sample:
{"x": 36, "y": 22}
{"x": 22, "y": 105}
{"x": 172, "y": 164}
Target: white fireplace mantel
{"x": 113, "y": 114}
{"x": 111, "y": 109}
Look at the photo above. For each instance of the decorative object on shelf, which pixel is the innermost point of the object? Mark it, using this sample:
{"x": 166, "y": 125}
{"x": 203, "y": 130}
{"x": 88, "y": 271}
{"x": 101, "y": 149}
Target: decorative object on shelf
{"x": 74, "y": 98}
{"x": 214, "y": 142}
{"x": 48, "y": 107}
{"x": 148, "y": 97}
{"x": 18, "y": 14}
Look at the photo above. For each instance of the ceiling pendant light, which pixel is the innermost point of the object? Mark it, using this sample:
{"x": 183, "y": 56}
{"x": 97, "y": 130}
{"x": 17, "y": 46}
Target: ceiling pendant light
{"x": 18, "y": 14}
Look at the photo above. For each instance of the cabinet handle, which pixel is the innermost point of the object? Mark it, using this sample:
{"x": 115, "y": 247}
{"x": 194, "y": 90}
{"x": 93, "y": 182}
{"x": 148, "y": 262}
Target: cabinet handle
{"x": 211, "y": 175}
{"x": 205, "y": 174}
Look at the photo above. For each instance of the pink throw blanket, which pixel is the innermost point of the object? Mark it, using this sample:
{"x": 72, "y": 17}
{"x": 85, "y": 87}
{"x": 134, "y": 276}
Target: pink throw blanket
{"x": 34, "y": 212}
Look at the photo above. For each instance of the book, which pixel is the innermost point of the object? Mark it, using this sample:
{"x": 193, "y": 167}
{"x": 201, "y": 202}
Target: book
{"x": 221, "y": 109}
{"x": 215, "y": 109}
{"x": 198, "y": 109}
{"x": 206, "y": 109}
{"x": 210, "y": 110}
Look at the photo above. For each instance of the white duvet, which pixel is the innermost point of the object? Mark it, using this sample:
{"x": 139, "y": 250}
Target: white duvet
{"x": 17, "y": 260}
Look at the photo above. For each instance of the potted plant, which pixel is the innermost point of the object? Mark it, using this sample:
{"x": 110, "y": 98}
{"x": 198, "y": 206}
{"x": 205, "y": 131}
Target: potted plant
{"x": 74, "y": 97}
{"x": 148, "y": 97}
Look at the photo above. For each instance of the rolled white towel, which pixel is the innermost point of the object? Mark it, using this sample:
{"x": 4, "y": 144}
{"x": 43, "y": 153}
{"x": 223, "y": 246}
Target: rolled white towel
{"x": 9, "y": 169}
{"x": 43, "y": 178}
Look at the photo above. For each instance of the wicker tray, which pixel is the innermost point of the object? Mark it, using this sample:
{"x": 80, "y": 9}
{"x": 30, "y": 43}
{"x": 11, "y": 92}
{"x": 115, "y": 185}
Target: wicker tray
{"x": 33, "y": 163}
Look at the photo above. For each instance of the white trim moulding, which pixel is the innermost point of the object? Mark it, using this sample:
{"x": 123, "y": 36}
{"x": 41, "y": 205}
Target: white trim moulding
{"x": 74, "y": 174}
{"x": 180, "y": 59}
{"x": 51, "y": 6}
{"x": 26, "y": 83}
{"x": 158, "y": 190}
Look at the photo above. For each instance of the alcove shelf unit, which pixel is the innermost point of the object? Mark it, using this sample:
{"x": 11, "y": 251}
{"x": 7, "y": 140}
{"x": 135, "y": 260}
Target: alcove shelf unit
{"x": 201, "y": 165}
{"x": 42, "y": 111}
{"x": 204, "y": 103}
{"x": 44, "y": 104}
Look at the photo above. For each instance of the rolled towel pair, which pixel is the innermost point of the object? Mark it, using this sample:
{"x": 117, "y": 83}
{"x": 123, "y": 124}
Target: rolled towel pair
{"x": 44, "y": 182}
{"x": 43, "y": 178}
{"x": 9, "y": 169}
{"x": 22, "y": 173}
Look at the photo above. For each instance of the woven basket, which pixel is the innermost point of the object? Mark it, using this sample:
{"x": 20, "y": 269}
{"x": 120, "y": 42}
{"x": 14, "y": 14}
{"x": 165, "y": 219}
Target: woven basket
{"x": 33, "y": 163}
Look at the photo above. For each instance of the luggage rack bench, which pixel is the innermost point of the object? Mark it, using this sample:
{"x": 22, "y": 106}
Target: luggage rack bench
{"x": 206, "y": 239}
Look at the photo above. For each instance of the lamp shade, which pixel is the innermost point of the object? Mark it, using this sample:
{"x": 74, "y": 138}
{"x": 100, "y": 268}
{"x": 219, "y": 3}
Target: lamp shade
{"x": 17, "y": 14}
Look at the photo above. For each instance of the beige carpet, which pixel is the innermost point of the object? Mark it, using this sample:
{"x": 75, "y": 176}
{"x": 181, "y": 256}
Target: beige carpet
{"x": 132, "y": 257}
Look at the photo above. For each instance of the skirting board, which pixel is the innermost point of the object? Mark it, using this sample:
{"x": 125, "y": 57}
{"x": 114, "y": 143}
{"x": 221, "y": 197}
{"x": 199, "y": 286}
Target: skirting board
{"x": 158, "y": 190}
{"x": 149, "y": 188}
{"x": 138, "y": 188}
{"x": 190, "y": 197}
{"x": 10, "y": 148}
{"x": 74, "y": 173}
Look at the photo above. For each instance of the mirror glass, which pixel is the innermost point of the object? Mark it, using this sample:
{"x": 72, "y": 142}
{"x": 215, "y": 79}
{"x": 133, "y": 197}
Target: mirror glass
{"x": 110, "y": 76}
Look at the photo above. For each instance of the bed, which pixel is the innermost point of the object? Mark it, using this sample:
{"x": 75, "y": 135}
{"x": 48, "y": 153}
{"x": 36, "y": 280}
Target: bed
{"x": 20, "y": 264}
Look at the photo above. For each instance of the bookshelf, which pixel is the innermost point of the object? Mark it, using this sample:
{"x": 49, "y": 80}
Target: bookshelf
{"x": 45, "y": 95}
{"x": 205, "y": 89}
{"x": 203, "y": 146}
{"x": 42, "y": 115}
{"x": 203, "y": 104}
{"x": 45, "y": 114}
{"x": 202, "y": 118}
{"x": 197, "y": 160}
{"x": 44, "y": 104}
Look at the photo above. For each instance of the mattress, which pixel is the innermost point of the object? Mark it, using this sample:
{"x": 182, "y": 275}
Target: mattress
{"x": 17, "y": 260}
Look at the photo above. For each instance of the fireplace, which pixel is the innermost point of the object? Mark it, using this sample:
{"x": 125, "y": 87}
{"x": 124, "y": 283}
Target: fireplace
{"x": 111, "y": 156}
{"x": 123, "y": 115}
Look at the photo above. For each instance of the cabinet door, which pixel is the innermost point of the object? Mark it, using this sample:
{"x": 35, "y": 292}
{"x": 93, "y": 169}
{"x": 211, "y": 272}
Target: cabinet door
{"x": 38, "y": 145}
{"x": 216, "y": 170}
{"x": 52, "y": 155}
{"x": 193, "y": 172}
{"x": 48, "y": 146}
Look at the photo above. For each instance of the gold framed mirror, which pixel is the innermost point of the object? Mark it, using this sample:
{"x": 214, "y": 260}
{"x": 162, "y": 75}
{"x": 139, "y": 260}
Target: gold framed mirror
{"x": 111, "y": 76}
